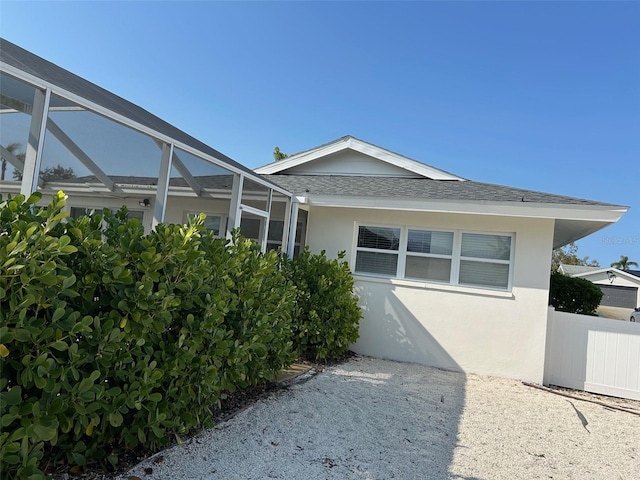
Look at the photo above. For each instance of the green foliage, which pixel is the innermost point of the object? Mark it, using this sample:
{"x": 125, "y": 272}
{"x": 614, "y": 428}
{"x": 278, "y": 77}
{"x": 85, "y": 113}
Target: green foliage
{"x": 327, "y": 314}
{"x": 568, "y": 255}
{"x": 278, "y": 155}
{"x": 112, "y": 338}
{"x": 574, "y": 295}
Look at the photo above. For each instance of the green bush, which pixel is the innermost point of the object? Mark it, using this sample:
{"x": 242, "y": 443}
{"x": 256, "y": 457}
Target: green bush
{"x": 112, "y": 338}
{"x": 326, "y": 315}
{"x": 574, "y": 295}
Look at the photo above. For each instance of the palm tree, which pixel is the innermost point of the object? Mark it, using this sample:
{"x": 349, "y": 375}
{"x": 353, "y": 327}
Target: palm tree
{"x": 623, "y": 263}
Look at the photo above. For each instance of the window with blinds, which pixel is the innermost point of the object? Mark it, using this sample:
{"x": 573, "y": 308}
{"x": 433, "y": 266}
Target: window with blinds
{"x": 429, "y": 255}
{"x": 484, "y": 260}
{"x": 378, "y": 250}
{"x": 451, "y": 257}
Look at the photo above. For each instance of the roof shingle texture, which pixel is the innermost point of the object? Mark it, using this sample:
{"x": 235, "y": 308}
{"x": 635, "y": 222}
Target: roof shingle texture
{"x": 419, "y": 188}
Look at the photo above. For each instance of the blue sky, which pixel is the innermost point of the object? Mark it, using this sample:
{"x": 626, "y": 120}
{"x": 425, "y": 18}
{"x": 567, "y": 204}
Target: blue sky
{"x": 537, "y": 95}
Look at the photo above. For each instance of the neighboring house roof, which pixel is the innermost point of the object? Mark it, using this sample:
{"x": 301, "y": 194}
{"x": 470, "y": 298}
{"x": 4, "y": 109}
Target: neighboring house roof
{"x": 578, "y": 269}
{"x": 43, "y": 70}
{"x": 585, "y": 272}
{"x": 405, "y": 164}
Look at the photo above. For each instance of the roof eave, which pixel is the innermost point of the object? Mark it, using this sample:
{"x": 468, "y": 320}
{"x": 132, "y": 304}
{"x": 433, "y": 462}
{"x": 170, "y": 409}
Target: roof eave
{"x": 608, "y": 213}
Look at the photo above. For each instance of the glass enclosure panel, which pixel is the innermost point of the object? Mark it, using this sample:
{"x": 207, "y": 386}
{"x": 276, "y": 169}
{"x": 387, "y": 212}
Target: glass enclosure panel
{"x": 381, "y": 238}
{"x": 205, "y": 175}
{"x": 276, "y": 228}
{"x": 16, "y": 103}
{"x": 254, "y": 194}
{"x": 127, "y": 156}
{"x": 197, "y": 185}
{"x": 377, "y": 263}
{"x": 423, "y": 241}
{"x": 497, "y": 247}
{"x": 428, "y": 268}
{"x": 484, "y": 274}
{"x": 251, "y": 226}
{"x": 303, "y": 217}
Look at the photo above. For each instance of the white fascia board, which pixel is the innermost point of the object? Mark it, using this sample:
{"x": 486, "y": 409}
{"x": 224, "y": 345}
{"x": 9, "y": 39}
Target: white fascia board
{"x": 401, "y": 162}
{"x": 362, "y": 147}
{"x": 531, "y": 210}
{"x": 301, "y": 158}
{"x": 105, "y": 112}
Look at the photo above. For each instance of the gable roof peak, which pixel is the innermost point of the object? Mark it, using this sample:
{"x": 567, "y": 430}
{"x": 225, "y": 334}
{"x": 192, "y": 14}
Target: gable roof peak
{"x": 349, "y": 142}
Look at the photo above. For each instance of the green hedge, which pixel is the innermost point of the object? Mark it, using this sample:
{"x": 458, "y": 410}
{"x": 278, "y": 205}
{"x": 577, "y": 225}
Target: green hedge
{"x": 574, "y": 295}
{"x": 327, "y": 314}
{"x": 111, "y": 338}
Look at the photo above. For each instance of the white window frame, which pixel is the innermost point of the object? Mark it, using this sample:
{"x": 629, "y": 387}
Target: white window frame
{"x": 456, "y": 255}
{"x": 402, "y": 273}
{"x": 402, "y": 241}
{"x": 496, "y": 261}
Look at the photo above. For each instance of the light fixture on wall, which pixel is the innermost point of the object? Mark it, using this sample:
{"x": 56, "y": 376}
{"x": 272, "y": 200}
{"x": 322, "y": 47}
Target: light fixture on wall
{"x": 145, "y": 203}
{"x": 611, "y": 276}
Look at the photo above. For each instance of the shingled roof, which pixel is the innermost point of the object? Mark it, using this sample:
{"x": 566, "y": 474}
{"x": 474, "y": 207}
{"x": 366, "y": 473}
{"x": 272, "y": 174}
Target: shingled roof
{"x": 418, "y": 188}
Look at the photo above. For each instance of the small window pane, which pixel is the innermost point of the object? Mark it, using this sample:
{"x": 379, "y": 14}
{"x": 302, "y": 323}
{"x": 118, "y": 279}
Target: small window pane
{"x": 477, "y": 245}
{"x": 379, "y": 237}
{"x": 77, "y": 212}
{"x": 440, "y": 243}
{"x": 213, "y": 224}
{"x": 484, "y": 274}
{"x": 428, "y": 268}
{"x": 276, "y": 228}
{"x": 379, "y": 263}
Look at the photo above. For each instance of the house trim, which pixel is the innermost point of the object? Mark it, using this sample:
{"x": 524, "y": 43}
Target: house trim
{"x": 531, "y": 210}
{"x": 365, "y": 148}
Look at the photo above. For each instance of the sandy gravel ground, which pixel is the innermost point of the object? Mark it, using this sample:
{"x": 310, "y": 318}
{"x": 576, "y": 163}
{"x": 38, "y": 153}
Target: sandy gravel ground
{"x": 376, "y": 419}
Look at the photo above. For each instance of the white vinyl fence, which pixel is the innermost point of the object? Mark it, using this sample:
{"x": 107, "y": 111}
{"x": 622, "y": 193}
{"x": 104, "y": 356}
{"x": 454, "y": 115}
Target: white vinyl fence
{"x": 594, "y": 354}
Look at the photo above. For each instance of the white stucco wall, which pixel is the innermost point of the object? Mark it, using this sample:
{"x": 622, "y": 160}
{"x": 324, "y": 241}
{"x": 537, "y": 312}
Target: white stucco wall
{"x": 469, "y": 329}
{"x": 176, "y": 211}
